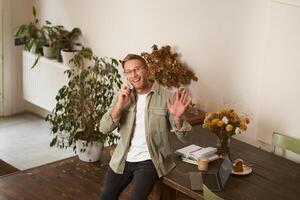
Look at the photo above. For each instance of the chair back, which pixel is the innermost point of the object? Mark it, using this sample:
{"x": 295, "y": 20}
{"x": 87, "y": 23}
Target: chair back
{"x": 209, "y": 195}
{"x": 285, "y": 142}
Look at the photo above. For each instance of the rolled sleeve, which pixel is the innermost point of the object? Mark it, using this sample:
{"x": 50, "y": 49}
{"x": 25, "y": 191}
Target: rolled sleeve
{"x": 107, "y": 124}
{"x": 183, "y": 132}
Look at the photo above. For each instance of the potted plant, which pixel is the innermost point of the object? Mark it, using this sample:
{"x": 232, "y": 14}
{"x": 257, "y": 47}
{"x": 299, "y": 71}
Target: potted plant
{"x": 51, "y": 34}
{"x": 32, "y": 36}
{"x": 66, "y": 42}
{"x": 81, "y": 104}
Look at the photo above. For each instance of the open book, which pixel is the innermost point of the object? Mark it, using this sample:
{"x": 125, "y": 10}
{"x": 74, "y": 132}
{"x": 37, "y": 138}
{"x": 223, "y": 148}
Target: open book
{"x": 195, "y": 152}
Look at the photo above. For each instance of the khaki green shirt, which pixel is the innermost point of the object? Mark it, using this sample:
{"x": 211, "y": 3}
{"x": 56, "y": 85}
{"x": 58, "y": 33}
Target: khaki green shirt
{"x": 159, "y": 126}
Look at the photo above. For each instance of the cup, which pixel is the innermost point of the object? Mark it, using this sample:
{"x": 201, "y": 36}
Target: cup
{"x": 203, "y": 164}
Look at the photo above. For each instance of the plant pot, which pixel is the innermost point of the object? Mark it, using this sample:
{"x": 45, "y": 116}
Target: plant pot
{"x": 67, "y": 56}
{"x": 77, "y": 46}
{"x": 89, "y": 153}
{"x": 48, "y": 52}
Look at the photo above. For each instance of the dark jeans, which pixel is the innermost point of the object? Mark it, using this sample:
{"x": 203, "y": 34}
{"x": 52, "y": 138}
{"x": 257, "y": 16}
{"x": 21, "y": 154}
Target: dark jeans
{"x": 143, "y": 174}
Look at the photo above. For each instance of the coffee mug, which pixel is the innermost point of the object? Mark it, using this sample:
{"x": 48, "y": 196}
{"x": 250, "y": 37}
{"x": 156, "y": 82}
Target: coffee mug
{"x": 203, "y": 164}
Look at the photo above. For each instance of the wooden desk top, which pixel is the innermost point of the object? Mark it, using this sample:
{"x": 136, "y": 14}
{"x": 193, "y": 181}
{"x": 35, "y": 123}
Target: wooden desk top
{"x": 273, "y": 177}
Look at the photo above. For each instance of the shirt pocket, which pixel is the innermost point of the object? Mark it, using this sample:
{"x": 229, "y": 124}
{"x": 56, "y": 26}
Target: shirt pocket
{"x": 158, "y": 120}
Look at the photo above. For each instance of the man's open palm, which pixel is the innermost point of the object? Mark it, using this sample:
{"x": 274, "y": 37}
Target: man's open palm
{"x": 178, "y": 107}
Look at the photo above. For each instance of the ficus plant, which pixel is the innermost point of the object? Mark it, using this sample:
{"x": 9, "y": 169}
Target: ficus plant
{"x": 81, "y": 103}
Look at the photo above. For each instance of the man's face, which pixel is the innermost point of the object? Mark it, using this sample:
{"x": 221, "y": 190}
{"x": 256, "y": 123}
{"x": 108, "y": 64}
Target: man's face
{"x": 136, "y": 73}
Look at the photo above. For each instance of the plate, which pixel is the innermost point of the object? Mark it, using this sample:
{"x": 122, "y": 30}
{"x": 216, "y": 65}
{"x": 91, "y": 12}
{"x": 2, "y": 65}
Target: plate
{"x": 246, "y": 170}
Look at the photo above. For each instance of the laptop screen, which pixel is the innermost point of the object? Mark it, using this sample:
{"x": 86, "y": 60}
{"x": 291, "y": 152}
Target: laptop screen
{"x": 225, "y": 170}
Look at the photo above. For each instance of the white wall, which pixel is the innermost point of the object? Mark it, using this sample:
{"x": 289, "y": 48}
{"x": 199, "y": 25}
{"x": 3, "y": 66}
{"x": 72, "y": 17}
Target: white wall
{"x": 227, "y": 44}
{"x": 217, "y": 39}
{"x": 279, "y": 92}
{"x": 15, "y": 12}
{"x": 1, "y": 58}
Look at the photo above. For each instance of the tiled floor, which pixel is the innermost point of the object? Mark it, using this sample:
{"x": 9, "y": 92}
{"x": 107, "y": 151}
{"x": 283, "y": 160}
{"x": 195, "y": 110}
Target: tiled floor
{"x": 24, "y": 142}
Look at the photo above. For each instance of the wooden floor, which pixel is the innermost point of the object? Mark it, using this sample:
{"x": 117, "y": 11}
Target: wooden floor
{"x": 6, "y": 168}
{"x": 66, "y": 179}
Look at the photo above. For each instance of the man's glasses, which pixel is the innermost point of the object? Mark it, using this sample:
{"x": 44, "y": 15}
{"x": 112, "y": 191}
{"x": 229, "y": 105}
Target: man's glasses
{"x": 135, "y": 70}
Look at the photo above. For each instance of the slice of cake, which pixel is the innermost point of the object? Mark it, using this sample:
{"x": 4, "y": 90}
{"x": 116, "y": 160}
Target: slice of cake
{"x": 238, "y": 165}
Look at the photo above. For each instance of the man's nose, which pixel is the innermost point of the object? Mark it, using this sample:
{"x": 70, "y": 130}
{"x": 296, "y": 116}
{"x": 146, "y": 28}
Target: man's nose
{"x": 134, "y": 72}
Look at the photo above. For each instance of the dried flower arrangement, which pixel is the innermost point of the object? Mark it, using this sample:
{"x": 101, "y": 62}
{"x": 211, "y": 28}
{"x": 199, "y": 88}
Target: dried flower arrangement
{"x": 165, "y": 67}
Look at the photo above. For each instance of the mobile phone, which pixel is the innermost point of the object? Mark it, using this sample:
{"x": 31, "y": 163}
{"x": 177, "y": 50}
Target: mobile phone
{"x": 129, "y": 84}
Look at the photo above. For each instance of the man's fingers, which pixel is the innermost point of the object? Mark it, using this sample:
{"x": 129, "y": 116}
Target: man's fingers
{"x": 178, "y": 94}
{"x": 187, "y": 103}
{"x": 183, "y": 97}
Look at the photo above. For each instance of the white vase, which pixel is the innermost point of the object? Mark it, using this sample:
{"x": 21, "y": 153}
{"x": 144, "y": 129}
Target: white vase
{"x": 91, "y": 153}
{"x": 67, "y": 56}
{"x": 48, "y": 52}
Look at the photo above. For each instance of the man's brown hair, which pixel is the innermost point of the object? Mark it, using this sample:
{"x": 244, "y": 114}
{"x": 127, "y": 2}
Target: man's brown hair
{"x": 134, "y": 57}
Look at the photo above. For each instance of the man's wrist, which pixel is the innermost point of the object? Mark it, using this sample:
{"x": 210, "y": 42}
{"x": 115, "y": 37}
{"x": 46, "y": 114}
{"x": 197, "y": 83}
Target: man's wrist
{"x": 116, "y": 112}
{"x": 177, "y": 120}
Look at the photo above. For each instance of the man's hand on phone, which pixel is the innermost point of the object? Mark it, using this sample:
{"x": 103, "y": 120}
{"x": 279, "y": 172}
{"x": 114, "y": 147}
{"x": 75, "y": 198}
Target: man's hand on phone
{"x": 124, "y": 94}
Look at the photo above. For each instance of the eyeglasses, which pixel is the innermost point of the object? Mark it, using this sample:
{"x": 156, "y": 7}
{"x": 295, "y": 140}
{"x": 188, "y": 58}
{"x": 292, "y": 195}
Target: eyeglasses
{"x": 135, "y": 70}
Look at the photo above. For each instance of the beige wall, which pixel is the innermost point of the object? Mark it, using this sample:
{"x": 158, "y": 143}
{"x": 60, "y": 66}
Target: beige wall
{"x": 229, "y": 45}
{"x": 15, "y": 12}
{"x": 279, "y": 79}
{"x": 218, "y": 39}
{"x": 1, "y": 58}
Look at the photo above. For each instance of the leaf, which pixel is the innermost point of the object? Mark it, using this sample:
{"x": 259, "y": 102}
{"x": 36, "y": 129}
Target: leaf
{"x": 53, "y": 142}
{"x": 36, "y": 61}
{"x": 48, "y": 22}
{"x": 34, "y": 11}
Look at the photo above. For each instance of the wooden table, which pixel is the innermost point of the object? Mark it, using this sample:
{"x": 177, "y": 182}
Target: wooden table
{"x": 194, "y": 116}
{"x": 273, "y": 177}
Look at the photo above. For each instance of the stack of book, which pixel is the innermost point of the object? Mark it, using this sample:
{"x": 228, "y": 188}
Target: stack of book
{"x": 193, "y": 152}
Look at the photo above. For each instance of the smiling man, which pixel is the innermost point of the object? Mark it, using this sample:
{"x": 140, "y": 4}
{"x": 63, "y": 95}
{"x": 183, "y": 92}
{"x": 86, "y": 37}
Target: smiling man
{"x": 146, "y": 113}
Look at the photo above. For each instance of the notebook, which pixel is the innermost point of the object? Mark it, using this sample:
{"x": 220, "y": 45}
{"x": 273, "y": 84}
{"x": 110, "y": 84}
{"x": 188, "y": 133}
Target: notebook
{"x": 196, "y": 152}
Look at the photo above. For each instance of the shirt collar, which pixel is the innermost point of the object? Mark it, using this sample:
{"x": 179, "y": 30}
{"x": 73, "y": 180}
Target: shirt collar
{"x": 155, "y": 88}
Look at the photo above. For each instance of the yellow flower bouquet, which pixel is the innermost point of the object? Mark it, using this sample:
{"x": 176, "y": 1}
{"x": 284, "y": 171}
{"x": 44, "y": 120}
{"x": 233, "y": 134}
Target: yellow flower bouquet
{"x": 225, "y": 123}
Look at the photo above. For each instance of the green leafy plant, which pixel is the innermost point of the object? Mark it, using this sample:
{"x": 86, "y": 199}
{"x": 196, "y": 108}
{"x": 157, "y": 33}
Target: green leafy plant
{"x": 81, "y": 103}
{"x": 52, "y": 35}
{"x": 32, "y": 35}
{"x": 51, "y": 32}
{"x": 67, "y": 38}
{"x": 166, "y": 68}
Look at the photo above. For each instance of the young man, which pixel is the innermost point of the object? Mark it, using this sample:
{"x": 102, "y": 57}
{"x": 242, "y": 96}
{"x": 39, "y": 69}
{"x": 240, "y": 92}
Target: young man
{"x": 145, "y": 112}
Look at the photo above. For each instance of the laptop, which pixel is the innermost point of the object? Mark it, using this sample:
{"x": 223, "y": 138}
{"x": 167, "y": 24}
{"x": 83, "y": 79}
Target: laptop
{"x": 215, "y": 178}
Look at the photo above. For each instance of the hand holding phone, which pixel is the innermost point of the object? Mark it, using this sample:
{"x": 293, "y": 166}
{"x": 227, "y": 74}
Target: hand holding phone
{"x": 124, "y": 93}
{"x": 123, "y": 98}
{"x": 129, "y": 84}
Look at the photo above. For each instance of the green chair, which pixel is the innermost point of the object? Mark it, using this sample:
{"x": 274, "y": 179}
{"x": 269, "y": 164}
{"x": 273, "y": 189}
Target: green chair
{"x": 209, "y": 195}
{"x": 285, "y": 142}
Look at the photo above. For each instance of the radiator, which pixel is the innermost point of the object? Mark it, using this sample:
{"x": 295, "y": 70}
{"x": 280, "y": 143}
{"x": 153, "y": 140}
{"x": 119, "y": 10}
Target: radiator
{"x": 41, "y": 83}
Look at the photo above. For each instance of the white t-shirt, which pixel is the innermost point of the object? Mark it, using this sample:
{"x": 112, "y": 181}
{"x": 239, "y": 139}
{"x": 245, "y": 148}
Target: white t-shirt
{"x": 138, "y": 150}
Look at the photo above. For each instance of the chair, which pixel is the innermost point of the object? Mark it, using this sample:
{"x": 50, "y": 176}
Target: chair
{"x": 209, "y": 195}
{"x": 285, "y": 142}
